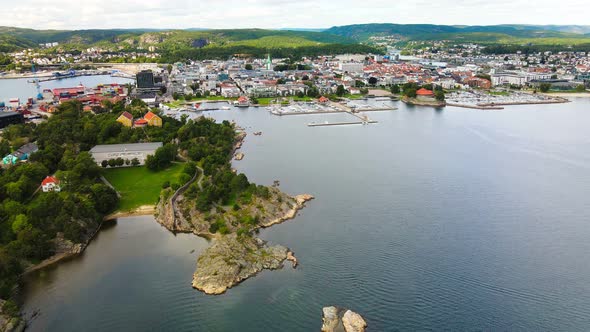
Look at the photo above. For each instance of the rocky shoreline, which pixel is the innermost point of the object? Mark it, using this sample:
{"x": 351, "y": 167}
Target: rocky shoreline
{"x": 233, "y": 258}
{"x": 8, "y": 322}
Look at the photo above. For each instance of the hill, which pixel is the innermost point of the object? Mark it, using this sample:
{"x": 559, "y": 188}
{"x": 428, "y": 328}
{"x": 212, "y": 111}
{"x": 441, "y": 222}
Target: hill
{"x": 193, "y": 43}
{"x": 493, "y": 34}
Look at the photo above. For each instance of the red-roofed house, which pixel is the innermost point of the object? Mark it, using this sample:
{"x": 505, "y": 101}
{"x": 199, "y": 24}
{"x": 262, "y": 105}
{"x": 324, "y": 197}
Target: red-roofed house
{"x": 50, "y": 183}
{"x": 425, "y": 94}
{"x": 140, "y": 123}
{"x": 126, "y": 119}
{"x": 243, "y": 101}
{"x": 152, "y": 119}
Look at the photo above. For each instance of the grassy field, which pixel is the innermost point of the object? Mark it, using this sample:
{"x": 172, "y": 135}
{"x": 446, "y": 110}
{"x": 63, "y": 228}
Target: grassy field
{"x": 139, "y": 186}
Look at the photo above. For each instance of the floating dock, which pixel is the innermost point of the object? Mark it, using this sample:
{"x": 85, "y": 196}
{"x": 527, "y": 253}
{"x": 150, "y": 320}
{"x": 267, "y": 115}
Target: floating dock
{"x": 325, "y": 124}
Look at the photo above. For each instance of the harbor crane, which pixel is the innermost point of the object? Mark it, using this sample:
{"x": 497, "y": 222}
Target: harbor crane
{"x": 36, "y": 81}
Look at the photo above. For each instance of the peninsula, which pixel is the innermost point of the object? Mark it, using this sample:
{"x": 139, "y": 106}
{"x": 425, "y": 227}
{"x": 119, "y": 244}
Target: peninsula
{"x": 235, "y": 253}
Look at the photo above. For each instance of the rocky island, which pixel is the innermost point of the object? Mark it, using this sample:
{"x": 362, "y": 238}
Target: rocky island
{"x": 235, "y": 254}
{"x": 221, "y": 205}
{"x": 342, "y": 320}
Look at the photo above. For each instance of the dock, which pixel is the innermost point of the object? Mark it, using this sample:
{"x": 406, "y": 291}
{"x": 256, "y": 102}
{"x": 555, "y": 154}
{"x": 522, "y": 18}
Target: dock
{"x": 325, "y": 124}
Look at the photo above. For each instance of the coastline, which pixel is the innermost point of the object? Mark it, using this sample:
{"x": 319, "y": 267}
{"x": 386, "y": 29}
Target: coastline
{"x": 144, "y": 210}
{"x": 567, "y": 94}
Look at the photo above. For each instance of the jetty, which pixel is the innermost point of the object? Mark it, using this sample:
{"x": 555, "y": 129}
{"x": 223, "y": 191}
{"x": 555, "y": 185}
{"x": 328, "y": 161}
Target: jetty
{"x": 345, "y": 123}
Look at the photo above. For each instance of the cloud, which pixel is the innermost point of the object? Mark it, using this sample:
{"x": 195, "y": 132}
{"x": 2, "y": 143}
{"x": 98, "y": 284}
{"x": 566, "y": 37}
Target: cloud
{"x": 62, "y": 14}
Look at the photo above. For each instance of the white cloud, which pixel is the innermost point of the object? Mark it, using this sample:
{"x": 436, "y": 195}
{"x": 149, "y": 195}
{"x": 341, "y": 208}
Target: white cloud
{"x": 62, "y": 14}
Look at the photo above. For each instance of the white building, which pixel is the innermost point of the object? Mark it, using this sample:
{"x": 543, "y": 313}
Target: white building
{"x": 50, "y": 183}
{"x": 125, "y": 151}
{"x": 351, "y": 67}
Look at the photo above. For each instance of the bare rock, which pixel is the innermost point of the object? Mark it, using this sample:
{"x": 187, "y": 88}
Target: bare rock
{"x": 353, "y": 322}
{"x": 232, "y": 259}
{"x": 330, "y": 319}
{"x": 342, "y": 320}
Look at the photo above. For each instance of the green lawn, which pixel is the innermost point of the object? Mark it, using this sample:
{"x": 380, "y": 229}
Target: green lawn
{"x": 139, "y": 186}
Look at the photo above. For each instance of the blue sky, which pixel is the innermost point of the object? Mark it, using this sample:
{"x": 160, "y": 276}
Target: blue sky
{"x": 62, "y": 14}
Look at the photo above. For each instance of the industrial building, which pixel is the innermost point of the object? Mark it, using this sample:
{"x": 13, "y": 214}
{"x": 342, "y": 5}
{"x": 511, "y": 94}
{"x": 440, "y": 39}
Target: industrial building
{"x": 125, "y": 151}
{"x": 145, "y": 79}
{"x": 8, "y": 118}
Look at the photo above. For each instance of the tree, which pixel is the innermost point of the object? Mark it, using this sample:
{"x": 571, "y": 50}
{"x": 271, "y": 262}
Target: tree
{"x": 340, "y": 91}
{"x": 373, "y": 81}
{"x": 580, "y": 88}
{"x": 105, "y": 198}
{"x": 104, "y": 163}
{"x": 169, "y": 68}
{"x": 112, "y": 162}
{"x": 127, "y": 162}
{"x": 161, "y": 158}
{"x": 439, "y": 95}
{"x": 4, "y": 148}
{"x": 395, "y": 89}
{"x": 248, "y": 66}
{"x": 135, "y": 162}
{"x": 21, "y": 222}
{"x": 411, "y": 92}
{"x": 544, "y": 87}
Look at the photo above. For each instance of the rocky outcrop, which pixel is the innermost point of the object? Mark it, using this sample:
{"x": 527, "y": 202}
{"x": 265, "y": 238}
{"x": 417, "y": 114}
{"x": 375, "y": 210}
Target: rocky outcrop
{"x": 342, "y": 320}
{"x": 8, "y": 322}
{"x": 233, "y": 258}
{"x": 353, "y": 322}
{"x": 300, "y": 201}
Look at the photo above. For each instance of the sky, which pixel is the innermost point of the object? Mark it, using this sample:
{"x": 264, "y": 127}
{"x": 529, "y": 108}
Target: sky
{"x": 276, "y": 14}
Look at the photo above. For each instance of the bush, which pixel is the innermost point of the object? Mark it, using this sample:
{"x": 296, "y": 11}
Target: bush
{"x": 166, "y": 185}
{"x": 127, "y": 162}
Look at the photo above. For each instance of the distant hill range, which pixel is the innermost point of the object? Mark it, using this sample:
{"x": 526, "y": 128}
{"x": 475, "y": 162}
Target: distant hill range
{"x": 502, "y": 34}
{"x": 201, "y": 42}
{"x": 194, "y": 43}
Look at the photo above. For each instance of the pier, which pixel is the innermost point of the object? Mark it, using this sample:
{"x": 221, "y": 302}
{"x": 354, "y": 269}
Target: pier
{"x": 325, "y": 124}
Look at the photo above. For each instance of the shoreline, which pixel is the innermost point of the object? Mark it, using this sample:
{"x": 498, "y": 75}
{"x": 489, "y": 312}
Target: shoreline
{"x": 144, "y": 210}
{"x": 567, "y": 94}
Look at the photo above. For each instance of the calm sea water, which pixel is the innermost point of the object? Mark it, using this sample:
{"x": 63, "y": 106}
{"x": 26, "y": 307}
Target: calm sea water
{"x": 20, "y": 88}
{"x": 454, "y": 220}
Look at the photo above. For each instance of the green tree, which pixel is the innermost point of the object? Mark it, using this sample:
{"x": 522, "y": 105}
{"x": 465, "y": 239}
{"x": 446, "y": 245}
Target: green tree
{"x": 544, "y": 87}
{"x": 105, "y": 198}
{"x": 395, "y": 89}
{"x": 340, "y": 90}
{"x": 439, "y": 95}
{"x": 580, "y": 88}
{"x": 21, "y": 222}
{"x": 248, "y": 66}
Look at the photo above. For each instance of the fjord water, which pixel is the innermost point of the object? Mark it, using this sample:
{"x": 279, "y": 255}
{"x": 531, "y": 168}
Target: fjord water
{"x": 454, "y": 219}
{"x": 22, "y": 89}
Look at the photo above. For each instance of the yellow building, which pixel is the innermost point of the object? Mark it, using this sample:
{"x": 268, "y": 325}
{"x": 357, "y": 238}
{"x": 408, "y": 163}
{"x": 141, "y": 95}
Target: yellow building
{"x": 126, "y": 119}
{"x": 153, "y": 120}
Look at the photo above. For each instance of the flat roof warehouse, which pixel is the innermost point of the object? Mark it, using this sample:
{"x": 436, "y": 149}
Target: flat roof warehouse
{"x": 126, "y": 147}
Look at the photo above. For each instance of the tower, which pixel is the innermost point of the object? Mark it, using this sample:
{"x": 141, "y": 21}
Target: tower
{"x": 268, "y": 62}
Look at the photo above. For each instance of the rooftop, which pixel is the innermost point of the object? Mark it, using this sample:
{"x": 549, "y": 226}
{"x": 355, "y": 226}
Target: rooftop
{"x": 126, "y": 147}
